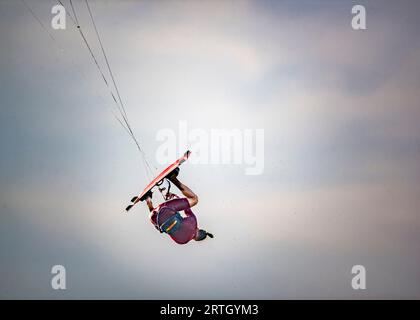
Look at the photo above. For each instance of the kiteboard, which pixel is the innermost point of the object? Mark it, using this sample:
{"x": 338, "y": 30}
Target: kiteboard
{"x": 158, "y": 180}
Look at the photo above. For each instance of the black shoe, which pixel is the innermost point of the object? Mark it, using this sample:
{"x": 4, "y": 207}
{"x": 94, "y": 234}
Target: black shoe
{"x": 173, "y": 174}
{"x": 148, "y": 194}
{"x": 210, "y": 235}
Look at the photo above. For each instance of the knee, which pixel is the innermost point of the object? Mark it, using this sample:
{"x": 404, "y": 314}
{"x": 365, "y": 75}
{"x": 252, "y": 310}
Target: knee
{"x": 193, "y": 201}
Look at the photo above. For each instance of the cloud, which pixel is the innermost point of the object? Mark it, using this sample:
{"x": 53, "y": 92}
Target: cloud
{"x": 339, "y": 109}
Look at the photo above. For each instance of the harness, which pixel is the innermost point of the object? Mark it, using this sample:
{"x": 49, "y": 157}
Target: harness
{"x": 171, "y": 224}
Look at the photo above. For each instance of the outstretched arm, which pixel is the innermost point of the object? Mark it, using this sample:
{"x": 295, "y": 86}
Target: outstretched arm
{"x": 187, "y": 192}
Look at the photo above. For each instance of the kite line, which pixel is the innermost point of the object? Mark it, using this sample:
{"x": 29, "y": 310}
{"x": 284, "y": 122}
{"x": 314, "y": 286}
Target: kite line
{"x": 122, "y": 117}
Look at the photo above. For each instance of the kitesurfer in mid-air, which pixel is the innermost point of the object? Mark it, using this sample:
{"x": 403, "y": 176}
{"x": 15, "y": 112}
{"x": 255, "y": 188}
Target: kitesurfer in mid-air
{"x": 167, "y": 219}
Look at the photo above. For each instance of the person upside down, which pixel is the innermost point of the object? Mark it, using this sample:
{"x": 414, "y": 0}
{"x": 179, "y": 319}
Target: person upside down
{"x": 167, "y": 219}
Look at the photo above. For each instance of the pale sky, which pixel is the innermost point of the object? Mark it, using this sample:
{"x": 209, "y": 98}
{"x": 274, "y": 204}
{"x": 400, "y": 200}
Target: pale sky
{"x": 339, "y": 108}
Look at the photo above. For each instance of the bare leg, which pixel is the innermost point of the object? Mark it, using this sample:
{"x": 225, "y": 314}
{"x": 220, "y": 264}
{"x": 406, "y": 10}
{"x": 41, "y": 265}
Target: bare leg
{"x": 149, "y": 204}
{"x": 186, "y": 191}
